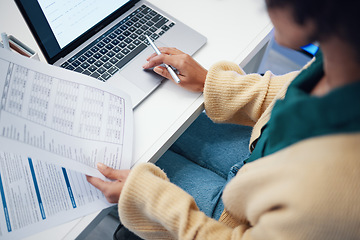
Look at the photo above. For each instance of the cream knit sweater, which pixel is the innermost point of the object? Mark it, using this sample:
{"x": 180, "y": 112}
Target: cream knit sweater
{"x": 300, "y": 192}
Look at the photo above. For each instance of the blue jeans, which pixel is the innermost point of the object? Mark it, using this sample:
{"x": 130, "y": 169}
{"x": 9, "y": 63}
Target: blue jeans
{"x": 205, "y": 157}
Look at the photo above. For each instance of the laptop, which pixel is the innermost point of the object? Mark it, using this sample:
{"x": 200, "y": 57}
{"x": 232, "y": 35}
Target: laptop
{"x": 106, "y": 39}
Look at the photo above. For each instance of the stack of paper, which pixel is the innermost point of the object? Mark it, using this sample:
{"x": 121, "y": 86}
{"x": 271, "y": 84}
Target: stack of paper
{"x": 55, "y": 126}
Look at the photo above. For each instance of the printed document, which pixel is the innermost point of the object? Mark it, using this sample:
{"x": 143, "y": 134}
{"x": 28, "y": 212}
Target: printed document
{"x": 37, "y": 195}
{"x": 55, "y": 126}
{"x": 63, "y": 117}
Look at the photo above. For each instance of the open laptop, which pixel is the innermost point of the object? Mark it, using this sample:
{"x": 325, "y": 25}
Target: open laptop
{"x": 105, "y": 39}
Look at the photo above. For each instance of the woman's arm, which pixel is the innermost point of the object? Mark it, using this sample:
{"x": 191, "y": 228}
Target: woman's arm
{"x": 154, "y": 208}
{"x": 232, "y": 96}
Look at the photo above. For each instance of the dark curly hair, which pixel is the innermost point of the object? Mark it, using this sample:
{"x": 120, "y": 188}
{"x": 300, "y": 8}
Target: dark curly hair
{"x": 332, "y": 17}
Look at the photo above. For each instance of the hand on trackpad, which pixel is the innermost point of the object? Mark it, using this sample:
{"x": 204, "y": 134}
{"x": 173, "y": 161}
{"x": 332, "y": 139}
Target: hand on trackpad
{"x": 136, "y": 73}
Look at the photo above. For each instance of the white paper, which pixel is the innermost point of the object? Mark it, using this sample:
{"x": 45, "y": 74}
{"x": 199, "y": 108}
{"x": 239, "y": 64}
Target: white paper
{"x": 37, "y": 195}
{"x": 63, "y": 117}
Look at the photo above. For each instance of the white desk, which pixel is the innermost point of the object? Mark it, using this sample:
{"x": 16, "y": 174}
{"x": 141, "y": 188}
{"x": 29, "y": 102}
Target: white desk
{"x": 236, "y": 31}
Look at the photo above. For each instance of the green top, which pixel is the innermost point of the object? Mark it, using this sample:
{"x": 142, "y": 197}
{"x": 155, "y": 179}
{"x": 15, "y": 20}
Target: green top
{"x": 300, "y": 115}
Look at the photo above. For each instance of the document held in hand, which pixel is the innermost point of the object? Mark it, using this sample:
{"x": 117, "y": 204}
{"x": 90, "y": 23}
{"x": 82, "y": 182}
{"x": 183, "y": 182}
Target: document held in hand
{"x": 37, "y": 195}
{"x": 55, "y": 126}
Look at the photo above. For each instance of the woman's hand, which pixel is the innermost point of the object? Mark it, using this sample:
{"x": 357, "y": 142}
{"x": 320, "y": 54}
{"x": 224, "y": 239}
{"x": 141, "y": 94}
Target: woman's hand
{"x": 191, "y": 73}
{"x": 111, "y": 190}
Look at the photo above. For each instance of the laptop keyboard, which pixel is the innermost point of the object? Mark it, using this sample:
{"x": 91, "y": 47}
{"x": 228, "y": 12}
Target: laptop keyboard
{"x": 114, "y": 49}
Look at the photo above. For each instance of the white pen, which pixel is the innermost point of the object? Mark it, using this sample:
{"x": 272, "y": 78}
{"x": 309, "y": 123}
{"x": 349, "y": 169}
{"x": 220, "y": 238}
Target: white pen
{"x": 5, "y": 40}
{"x": 171, "y": 71}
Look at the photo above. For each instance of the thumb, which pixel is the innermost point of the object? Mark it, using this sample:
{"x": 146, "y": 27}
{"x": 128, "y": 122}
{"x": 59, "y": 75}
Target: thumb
{"x": 162, "y": 71}
{"x": 108, "y": 172}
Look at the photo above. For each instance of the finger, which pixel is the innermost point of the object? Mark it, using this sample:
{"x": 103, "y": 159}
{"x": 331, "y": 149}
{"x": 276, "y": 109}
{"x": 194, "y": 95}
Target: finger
{"x": 111, "y": 190}
{"x": 96, "y": 182}
{"x": 172, "y": 60}
{"x": 151, "y": 56}
{"x": 109, "y": 172}
{"x": 167, "y": 51}
{"x": 154, "y": 61}
{"x": 170, "y": 51}
{"x": 163, "y": 72}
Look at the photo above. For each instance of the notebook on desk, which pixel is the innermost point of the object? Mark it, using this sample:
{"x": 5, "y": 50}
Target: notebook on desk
{"x": 105, "y": 39}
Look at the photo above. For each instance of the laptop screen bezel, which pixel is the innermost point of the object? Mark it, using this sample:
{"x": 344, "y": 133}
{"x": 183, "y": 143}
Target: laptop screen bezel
{"x": 79, "y": 40}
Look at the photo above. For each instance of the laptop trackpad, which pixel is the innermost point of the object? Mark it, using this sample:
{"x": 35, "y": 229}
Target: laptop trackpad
{"x": 144, "y": 79}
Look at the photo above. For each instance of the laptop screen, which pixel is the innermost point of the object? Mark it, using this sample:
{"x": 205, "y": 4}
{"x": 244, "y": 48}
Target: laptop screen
{"x": 57, "y": 24}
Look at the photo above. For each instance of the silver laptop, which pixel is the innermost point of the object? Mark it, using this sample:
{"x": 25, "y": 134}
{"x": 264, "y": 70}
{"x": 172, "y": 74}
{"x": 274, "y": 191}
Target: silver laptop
{"x": 105, "y": 39}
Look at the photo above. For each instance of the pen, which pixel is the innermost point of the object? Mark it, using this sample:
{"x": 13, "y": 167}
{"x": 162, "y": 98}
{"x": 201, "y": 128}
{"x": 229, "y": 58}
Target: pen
{"x": 18, "y": 49}
{"x": 5, "y": 40}
{"x": 171, "y": 71}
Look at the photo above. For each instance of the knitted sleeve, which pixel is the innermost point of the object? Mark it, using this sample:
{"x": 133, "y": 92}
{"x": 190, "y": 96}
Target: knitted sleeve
{"x": 154, "y": 208}
{"x": 296, "y": 193}
{"x": 231, "y": 96}
{"x": 306, "y": 191}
